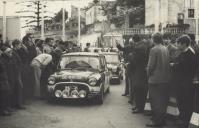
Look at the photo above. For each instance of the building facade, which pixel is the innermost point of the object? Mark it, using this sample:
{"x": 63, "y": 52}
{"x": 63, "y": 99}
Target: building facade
{"x": 13, "y": 27}
{"x": 161, "y": 13}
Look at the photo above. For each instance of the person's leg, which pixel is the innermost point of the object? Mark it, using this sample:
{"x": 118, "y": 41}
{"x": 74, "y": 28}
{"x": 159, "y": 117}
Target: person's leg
{"x": 188, "y": 102}
{"x": 159, "y": 95}
{"x": 140, "y": 97}
{"x": 126, "y": 92}
{"x": 37, "y": 77}
{"x": 180, "y": 102}
{"x": 131, "y": 90}
{"x": 20, "y": 94}
{"x": 4, "y": 103}
{"x": 137, "y": 94}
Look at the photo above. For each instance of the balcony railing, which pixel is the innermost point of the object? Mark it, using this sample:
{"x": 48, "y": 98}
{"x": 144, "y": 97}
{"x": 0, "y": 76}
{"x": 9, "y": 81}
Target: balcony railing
{"x": 132, "y": 31}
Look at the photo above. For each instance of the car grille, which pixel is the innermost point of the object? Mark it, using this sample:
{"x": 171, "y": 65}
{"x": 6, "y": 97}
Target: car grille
{"x": 71, "y": 90}
{"x": 72, "y": 86}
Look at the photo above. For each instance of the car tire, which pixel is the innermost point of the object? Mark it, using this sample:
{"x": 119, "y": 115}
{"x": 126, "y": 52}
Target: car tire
{"x": 119, "y": 81}
{"x": 100, "y": 98}
{"x": 108, "y": 90}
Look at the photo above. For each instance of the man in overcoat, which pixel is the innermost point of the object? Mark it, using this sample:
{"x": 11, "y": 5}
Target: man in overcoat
{"x": 158, "y": 71}
{"x": 185, "y": 69}
{"x": 138, "y": 64}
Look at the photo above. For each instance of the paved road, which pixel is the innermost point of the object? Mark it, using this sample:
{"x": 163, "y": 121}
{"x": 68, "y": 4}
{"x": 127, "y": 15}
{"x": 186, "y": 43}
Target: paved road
{"x": 114, "y": 113}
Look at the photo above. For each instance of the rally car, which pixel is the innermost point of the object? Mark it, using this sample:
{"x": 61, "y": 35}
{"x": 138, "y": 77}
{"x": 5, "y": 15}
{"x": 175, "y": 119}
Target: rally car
{"x": 115, "y": 67}
{"x": 80, "y": 75}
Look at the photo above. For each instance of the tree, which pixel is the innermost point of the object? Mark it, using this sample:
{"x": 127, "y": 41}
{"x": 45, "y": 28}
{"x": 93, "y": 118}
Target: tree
{"x": 116, "y": 12}
{"x": 32, "y": 11}
{"x": 58, "y": 16}
{"x": 95, "y": 1}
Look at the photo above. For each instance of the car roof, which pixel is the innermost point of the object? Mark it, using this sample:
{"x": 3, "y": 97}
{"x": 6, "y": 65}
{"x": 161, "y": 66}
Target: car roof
{"x": 81, "y": 54}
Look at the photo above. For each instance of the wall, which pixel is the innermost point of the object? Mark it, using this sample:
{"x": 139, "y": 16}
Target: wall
{"x": 93, "y": 14}
{"x": 90, "y": 16}
{"x": 13, "y": 27}
{"x": 168, "y": 11}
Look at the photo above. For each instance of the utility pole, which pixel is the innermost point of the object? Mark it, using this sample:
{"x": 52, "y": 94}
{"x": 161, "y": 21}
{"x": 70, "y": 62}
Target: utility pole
{"x": 42, "y": 23}
{"x": 4, "y": 21}
{"x": 63, "y": 23}
{"x": 79, "y": 24}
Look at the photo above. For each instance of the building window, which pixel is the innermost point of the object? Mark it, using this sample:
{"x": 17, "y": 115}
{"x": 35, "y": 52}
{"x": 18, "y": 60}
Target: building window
{"x": 191, "y": 13}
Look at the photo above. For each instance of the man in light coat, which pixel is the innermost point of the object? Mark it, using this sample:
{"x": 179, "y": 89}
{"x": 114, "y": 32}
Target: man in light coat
{"x": 38, "y": 64}
{"x": 158, "y": 70}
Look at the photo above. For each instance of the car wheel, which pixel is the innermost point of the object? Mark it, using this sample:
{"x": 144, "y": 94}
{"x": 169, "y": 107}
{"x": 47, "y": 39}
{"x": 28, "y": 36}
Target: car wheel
{"x": 100, "y": 98}
{"x": 108, "y": 90}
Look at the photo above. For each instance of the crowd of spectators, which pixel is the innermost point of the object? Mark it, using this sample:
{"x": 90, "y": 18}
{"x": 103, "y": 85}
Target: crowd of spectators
{"x": 162, "y": 66}
{"x": 25, "y": 67}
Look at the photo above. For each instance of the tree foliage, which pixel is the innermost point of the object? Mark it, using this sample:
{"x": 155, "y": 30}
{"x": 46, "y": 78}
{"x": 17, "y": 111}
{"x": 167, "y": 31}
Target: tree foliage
{"x": 95, "y": 1}
{"x": 58, "y": 16}
{"x": 116, "y": 12}
{"x": 31, "y": 11}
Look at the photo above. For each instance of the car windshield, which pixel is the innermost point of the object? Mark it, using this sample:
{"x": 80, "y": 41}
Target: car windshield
{"x": 112, "y": 58}
{"x": 78, "y": 62}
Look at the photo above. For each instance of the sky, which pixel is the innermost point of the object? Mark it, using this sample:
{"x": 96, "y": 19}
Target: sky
{"x": 52, "y": 6}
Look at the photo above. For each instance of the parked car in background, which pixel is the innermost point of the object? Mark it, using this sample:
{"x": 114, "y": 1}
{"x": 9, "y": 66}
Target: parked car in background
{"x": 115, "y": 66}
{"x": 80, "y": 75}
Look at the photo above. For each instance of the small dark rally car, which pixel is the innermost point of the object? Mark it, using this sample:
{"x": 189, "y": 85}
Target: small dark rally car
{"x": 114, "y": 65}
{"x": 80, "y": 75}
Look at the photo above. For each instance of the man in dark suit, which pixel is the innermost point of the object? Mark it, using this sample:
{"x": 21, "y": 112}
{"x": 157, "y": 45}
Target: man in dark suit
{"x": 185, "y": 69}
{"x": 138, "y": 64}
{"x": 127, "y": 53}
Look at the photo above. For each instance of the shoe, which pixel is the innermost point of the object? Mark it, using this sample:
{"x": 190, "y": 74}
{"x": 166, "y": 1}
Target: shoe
{"x": 124, "y": 94}
{"x": 148, "y": 113}
{"x": 9, "y": 109}
{"x": 152, "y": 124}
{"x": 21, "y": 107}
{"x": 5, "y": 113}
{"x": 134, "y": 108}
{"x": 130, "y": 102}
{"x": 180, "y": 123}
{"x": 136, "y": 111}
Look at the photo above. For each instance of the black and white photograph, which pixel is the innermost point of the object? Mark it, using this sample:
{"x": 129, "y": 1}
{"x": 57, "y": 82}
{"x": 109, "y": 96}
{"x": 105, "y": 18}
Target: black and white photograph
{"x": 99, "y": 63}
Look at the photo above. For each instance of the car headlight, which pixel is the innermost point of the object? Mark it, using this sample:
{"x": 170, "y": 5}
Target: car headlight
{"x": 92, "y": 81}
{"x": 51, "y": 80}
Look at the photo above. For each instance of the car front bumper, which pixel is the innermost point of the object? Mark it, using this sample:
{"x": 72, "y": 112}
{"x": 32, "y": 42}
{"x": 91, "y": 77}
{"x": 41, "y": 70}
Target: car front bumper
{"x": 90, "y": 90}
